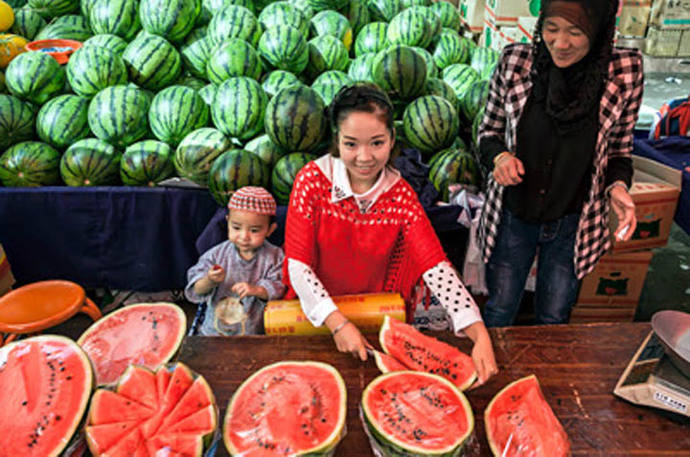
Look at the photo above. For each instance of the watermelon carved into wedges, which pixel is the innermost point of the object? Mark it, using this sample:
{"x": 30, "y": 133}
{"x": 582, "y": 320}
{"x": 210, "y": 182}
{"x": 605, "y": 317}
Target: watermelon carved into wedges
{"x": 287, "y": 408}
{"x": 169, "y": 412}
{"x": 45, "y": 385}
{"x": 146, "y": 334}
{"x": 521, "y": 410}
{"x": 410, "y": 413}
{"x": 421, "y": 352}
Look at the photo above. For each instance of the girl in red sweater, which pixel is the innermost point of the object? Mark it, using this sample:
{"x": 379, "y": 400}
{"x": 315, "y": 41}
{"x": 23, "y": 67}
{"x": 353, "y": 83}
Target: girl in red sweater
{"x": 354, "y": 225}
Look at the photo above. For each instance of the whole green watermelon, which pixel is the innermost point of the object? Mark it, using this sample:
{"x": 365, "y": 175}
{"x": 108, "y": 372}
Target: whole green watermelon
{"x": 63, "y": 120}
{"x": 196, "y": 153}
{"x": 234, "y": 169}
{"x": 284, "y": 173}
{"x": 17, "y": 120}
{"x": 35, "y": 76}
{"x": 90, "y": 162}
{"x": 175, "y": 112}
{"x": 92, "y": 69}
{"x": 238, "y": 108}
{"x": 171, "y": 19}
{"x": 295, "y": 118}
{"x": 30, "y": 164}
{"x": 146, "y": 163}
{"x": 453, "y": 166}
{"x": 125, "y": 125}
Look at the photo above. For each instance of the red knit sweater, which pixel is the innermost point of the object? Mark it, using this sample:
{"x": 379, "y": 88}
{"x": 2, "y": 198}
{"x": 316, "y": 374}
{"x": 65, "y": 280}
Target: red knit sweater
{"x": 386, "y": 249}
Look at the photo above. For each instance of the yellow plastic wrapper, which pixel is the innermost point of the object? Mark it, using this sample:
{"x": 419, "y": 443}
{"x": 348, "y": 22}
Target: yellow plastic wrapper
{"x": 366, "y": 311}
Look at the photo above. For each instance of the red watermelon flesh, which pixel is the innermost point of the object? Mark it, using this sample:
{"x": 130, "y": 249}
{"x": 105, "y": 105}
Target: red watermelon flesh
{"x": 147, "y": 334}
{"x": 419, "y": 413}
{"x": 420, "y": 352}
{"x": 521, "y": 410}
{"x": 386, "y": 363}
{"x": 288, "y": 408}
{"x": 180, "y": 421}
{"x": 45, "y": 385}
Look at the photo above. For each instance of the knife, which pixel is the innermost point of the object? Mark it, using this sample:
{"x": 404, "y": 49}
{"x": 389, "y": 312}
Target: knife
{"x": 505, "y": 449}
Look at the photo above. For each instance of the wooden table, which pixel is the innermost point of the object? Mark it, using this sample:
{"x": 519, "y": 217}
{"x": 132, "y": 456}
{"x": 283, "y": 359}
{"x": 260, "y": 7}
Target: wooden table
{"x": 577, "y": 366}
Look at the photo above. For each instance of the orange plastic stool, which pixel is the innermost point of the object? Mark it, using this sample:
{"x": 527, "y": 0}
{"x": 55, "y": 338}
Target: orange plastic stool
{"x": 40, "y": 305}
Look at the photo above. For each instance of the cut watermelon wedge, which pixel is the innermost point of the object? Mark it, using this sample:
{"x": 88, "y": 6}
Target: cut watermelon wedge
{"x": 413, "y": 413}
{"x": 420, "y": 352}
{"x": 386, "y": 363}
{"x": 520, "y": 409}
{"x": 147, "y": 334}
{"x": 288, "y": 408}
{"x": 181, "y": 422}
{"x": 45, "y": 385}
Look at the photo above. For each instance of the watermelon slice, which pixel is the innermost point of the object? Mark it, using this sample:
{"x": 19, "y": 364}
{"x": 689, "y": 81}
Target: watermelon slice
{"x": 288, "y": 408}
{"x": 45, "y": 385}
{"x": 521, "y": 410}
{"x": 139, "y": 417}
{"x": 147, "y": 334}
{"x": 386, "y": 363}
{"x": 420, "y": 352}
{"x": 417, "y": 413}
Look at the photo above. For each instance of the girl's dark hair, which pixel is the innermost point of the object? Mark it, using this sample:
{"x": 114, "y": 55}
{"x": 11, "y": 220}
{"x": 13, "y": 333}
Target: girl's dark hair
{"x": 604, "y": 11}
{"x": 361, "y": 97}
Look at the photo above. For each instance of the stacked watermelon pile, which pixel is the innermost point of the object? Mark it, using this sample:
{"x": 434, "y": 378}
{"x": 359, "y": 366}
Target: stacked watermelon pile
{"x": 228, "y": 93}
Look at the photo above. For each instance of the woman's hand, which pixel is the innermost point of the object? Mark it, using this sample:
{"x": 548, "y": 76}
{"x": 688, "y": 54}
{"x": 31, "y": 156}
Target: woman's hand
{"x": 508, "y": 169}
{"x": 482, "y": 352}
{"x": 347, "y": 336}
{"x": 624, "y": 207}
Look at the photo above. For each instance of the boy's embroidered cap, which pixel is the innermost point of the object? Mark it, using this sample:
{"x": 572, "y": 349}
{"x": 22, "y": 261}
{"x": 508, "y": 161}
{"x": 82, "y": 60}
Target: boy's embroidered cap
{"x": 254, "y": 199}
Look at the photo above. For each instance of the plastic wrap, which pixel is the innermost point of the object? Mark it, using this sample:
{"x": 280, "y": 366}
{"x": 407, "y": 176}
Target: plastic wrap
{"x": 287, "y": 409}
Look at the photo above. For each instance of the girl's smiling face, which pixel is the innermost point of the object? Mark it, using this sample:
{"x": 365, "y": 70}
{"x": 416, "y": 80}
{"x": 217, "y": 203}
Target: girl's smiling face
{"x": 364, "y": 146}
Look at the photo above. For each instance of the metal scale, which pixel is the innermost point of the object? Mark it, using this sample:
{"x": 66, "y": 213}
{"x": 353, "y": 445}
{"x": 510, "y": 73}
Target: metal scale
{"x": 659, "y": 373}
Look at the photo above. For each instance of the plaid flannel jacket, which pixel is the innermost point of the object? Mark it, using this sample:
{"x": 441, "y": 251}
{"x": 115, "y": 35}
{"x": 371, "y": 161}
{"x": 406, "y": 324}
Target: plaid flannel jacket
{"x": 508, "y": 92}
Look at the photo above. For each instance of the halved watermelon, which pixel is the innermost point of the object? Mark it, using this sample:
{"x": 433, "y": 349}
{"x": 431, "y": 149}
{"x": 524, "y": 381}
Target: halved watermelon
{"x": 45, "y": 385}
{"x": 420, "y": 352}
{"x": 521, "y": 410}
{"x": 386, "y": 363}
{"x": 416, "y": 413}
{"x": 149, "y": 413}
{"x": 287, "y": 408}
{"x": 146, "y": 334}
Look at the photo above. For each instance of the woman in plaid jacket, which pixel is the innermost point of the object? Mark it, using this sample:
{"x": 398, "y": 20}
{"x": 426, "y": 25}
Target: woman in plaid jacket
{"x": 557, "y": 135}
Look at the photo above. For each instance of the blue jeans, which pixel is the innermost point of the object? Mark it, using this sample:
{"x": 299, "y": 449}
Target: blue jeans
{"x": 511, "y": 260}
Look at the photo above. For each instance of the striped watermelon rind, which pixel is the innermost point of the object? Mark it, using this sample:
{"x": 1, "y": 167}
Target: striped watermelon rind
{"x": 326, "y": 53}
{"x": 196, "y": 51}
{"x": 53, "y": 8}
{"x": 372, "y": 38}
{"x": 333, "y": 77}
{"x": 17, "y": 119}
{"x": 384, "y": 10}
{"x": 474, "y": 99}
{"x": 460, "y": 77}
{"x": 283, "y": 13}
{"x": 295, "y": 118}
{"x": 208, "y": 92}
{"x": 284, "y": 173}
{"x": 234, "y": 169}
{"x": 234, "y": 21}
{"x": 34, "y": 76}
{"x": 283, "y": 47}
{"x": 451, "y": 48}
{"x": 332, "y": 23}
{"x": 171, "y": 19}
{"x": 30, "y": 164}
{"x": 276, "y": 80}
{"x": 63, "y": 120}
{"x": 196, "y": 153}
{"x": 453, "y": 166}
{"x": 69, "y": 27}
{"x": 400, "y": 71}
{"x": 175, "y": 112}
{"x": 235, "y": 57}
{"x": 431, "y": 123}
{"x": 408, "y": 28}
{"x": 146, "y": 163}
{"x": 437, "y": 86}
{"x": 124, "y": 125}
{"x": 238, "y": 107}
{"x": 447, "y": 14}
{"x": 116, "y": 17}
{"x": 90, "y": 70}
{"x": 27, "y": 23}
{"x": 112, "y": 43}
{"x": 90, "y": 162}
{"x": 265, "y": 149}
{"x": 152, "y": 62}
{"x": 362, "y": 68}
{"x": 431, "y": 68}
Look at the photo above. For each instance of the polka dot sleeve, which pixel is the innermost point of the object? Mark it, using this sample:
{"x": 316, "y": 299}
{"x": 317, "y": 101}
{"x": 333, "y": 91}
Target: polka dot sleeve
{"x": 446, "y": 286}
{"x": 315, "y": 300}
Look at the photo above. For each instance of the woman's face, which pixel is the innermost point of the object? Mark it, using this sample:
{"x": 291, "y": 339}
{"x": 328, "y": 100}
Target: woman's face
{"x": 364, "y": 145}
{"x": 566, "y": 43}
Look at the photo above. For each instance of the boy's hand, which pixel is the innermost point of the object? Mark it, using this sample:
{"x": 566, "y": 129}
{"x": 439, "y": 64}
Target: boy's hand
{"x": 216, "y": 274}
{"x": 243, "y": 289}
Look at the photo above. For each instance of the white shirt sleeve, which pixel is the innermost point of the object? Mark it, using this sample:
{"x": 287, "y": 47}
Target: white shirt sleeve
{"x": 446, "y": 286}
{"x": 316, "y": 303}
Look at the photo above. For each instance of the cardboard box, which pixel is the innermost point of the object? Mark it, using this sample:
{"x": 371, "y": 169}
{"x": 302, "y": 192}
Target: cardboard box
{"x": 616, "y": 281}
{"x": 472, "y": 14}
{"x": 684, "y": 47}
{"x": 509, "y": 35}
{"x": 525, "y": 26}
{"x": 634, "y": 18}
{"x": 6, "y": 278}
{"x": 670, "y": 14}
{"x": 506, "y": 12}
{"x": 655, "y": 191}
{"x": 663, "y": 42}
{"x": 490, "y": 37}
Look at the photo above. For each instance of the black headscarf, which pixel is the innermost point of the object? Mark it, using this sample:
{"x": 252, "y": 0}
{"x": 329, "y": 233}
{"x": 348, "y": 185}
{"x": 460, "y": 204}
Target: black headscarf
{"x": 573, "y": 94}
